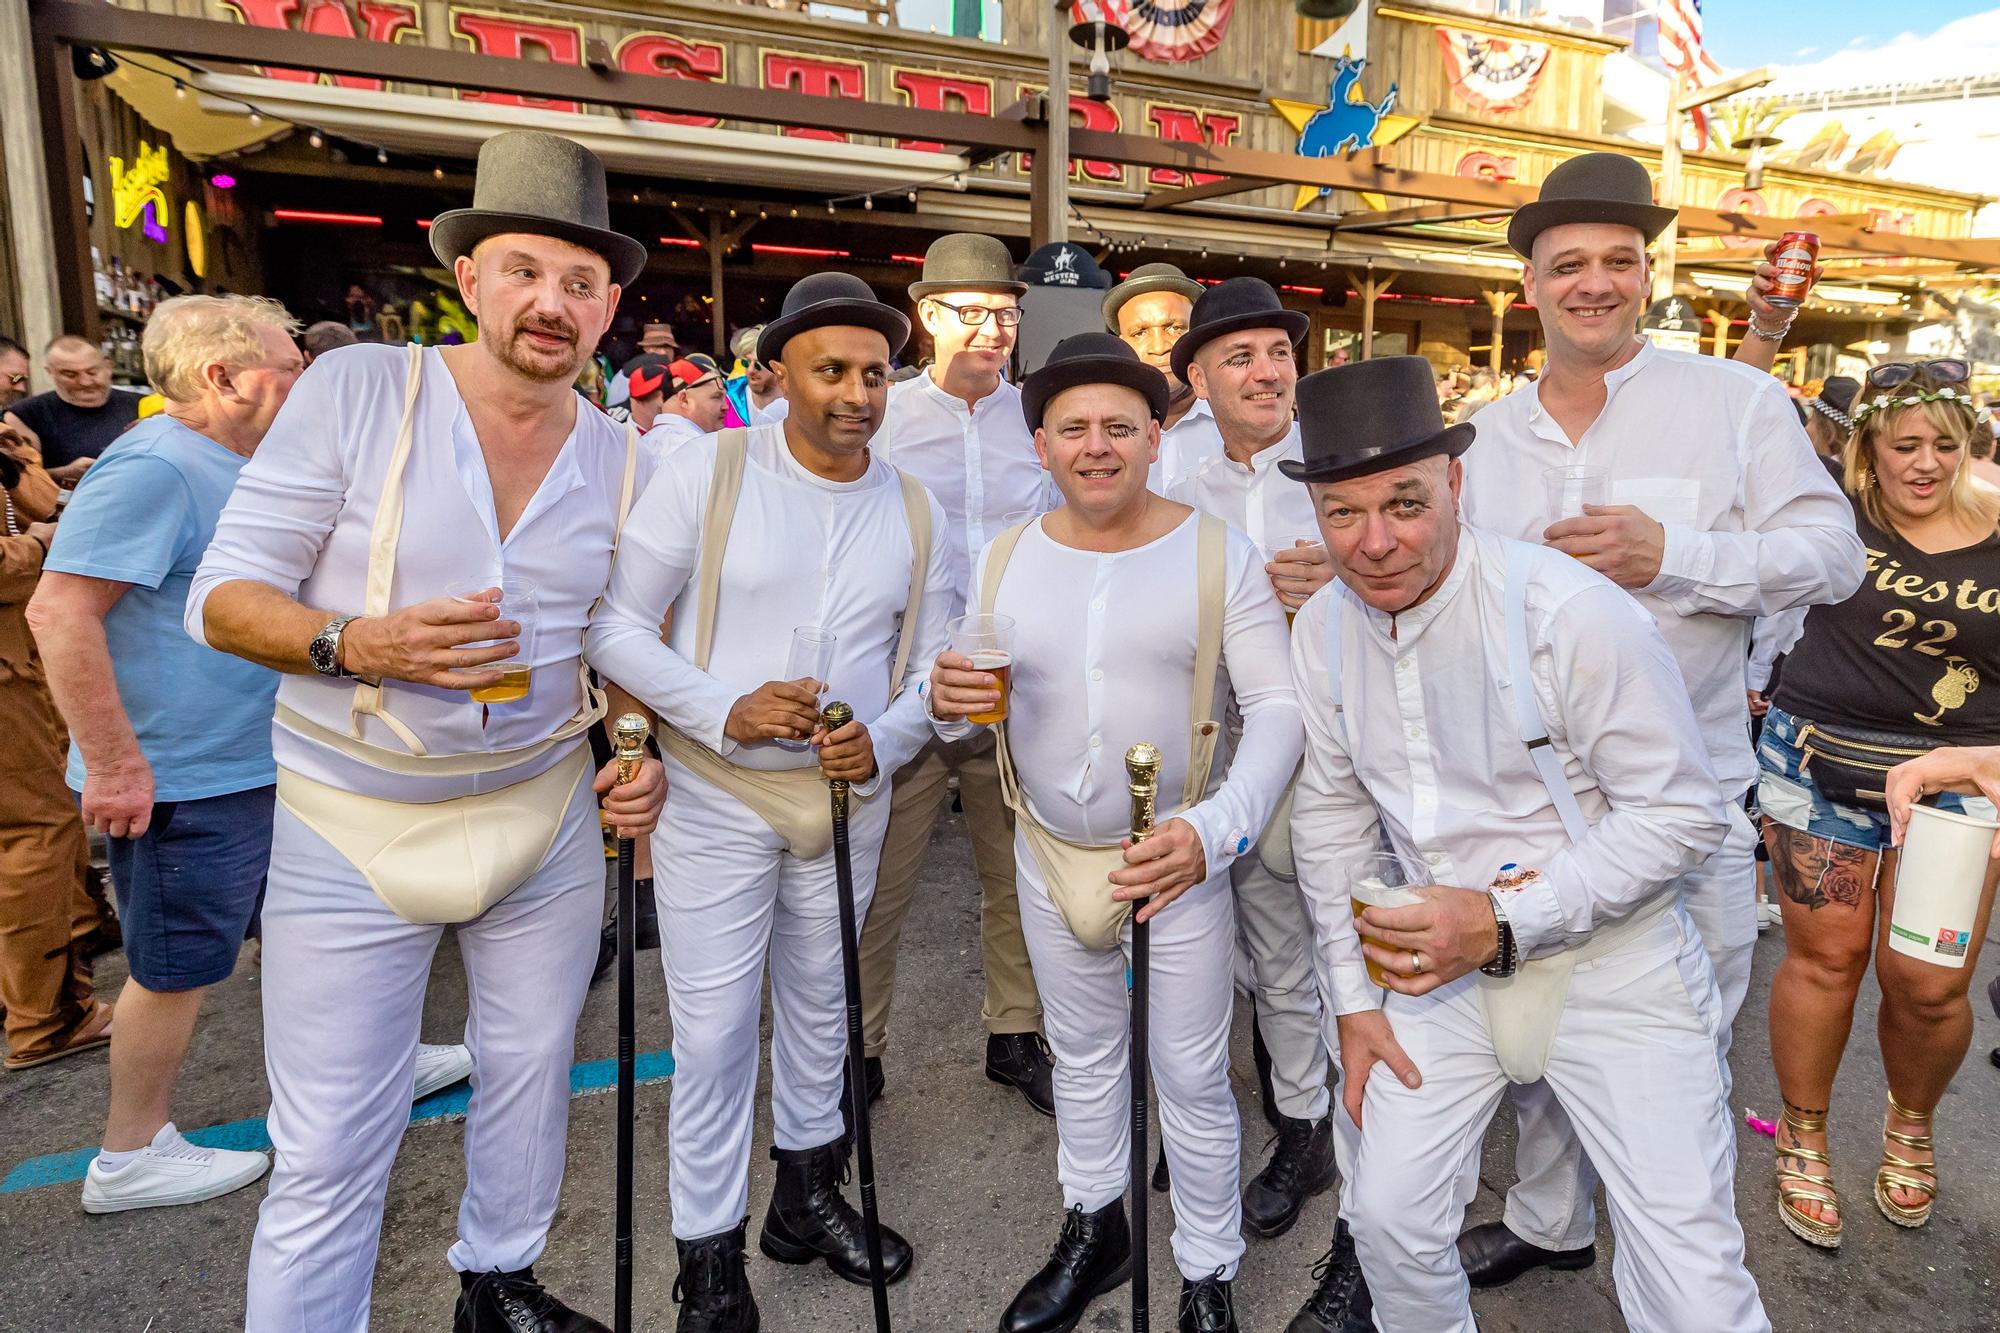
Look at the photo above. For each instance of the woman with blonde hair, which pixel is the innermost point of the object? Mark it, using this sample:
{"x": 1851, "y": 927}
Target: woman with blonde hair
{"x": 1889, "y": 674}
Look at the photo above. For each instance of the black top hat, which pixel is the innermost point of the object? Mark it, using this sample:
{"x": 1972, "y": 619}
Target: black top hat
{"x": 1592, "y": 187}
{"x": 967, "y": 261}
{"x": 831, "y": 298}
{"x": 1371, "y": 416}
{"x": 545, "y": 185}
{"x": 1231, "y": 306}
{"x": 1062, "y": 264}
{"x": 1091, "y": 358}
{"x": 1143, "y": 279}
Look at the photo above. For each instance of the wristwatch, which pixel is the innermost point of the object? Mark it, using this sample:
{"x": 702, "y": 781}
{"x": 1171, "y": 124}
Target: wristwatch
{"x": 324, "y": 650}
{"x": 1509, "y": 957}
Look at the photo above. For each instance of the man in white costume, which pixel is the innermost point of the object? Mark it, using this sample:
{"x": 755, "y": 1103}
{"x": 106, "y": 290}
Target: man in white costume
{"x": 1718, "y": 513}
{"x": 957, "y": 428}
{"x": 1136, "y": 619}
{"x": 747, "y": 536}
{"x": 693, "y": 402}
{"x": 1513, "y": 726}
{"x": 1150, "y": 310}
{"x": 393, "y": 479}
{"x": 1238, "y": 355}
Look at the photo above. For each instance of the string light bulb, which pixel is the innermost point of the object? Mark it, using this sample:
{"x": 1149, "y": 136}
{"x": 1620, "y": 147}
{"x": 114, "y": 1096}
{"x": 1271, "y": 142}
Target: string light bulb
{"x": 868, "y": 202}
{"x": 437, "y": 173}
{"x": 316, "y": 139}
{"x": 256, "y": 117}
{"x": 382, "y": 156}
{"x": 180, "y": 91}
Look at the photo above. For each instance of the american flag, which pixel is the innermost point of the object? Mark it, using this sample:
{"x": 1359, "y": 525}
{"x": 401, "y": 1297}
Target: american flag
{"x": 1681, "y": 51}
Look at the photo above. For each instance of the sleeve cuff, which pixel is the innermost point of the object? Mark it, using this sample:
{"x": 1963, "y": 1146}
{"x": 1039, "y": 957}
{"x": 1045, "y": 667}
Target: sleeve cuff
{"x": 870, "y": 787}
{"x": 1219, "y": 847}
{"x": 1353, "y": 992}
{"x": 1535, "y": 913}
{"x": 1684, "y": 563}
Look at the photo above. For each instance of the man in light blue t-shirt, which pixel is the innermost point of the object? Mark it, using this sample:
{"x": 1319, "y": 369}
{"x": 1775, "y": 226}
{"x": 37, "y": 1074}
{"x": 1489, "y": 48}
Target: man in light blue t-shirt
{"x": 171, "y": 741}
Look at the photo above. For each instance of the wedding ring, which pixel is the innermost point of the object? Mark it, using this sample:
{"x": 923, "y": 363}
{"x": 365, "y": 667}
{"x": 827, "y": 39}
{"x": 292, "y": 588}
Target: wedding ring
{"x": 1416, "y": 963}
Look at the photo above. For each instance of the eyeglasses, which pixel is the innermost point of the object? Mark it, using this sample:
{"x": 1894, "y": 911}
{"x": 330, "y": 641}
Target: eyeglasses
{"x": 1891, "y": 373}
{"x": 1006, "y": 316}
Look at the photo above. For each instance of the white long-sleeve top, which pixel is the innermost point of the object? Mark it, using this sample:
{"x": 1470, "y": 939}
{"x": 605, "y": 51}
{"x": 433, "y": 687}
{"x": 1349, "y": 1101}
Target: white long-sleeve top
{"x": 1104, "y": 649}
{"x": 668, "y": 430}
{"x": 978, "y": 461}
{"x": 1771, "y": 639}
{"x": 1184, "y": 446}
{"x": 1256, "y": 499}
{"x": 803, "y": 551}
{"x": 1713, "y": 451}
{"x": 304, "y": 509}
{"x": 1428, "y": 748}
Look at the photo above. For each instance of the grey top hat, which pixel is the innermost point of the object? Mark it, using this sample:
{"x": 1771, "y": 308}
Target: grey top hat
{"x": 831, "y": 297}
{"x": 1143, "y": 279}
{"x": 967, "y": 262}
{"x": 545, "y": 185}
{"x": 1592, "y": 187}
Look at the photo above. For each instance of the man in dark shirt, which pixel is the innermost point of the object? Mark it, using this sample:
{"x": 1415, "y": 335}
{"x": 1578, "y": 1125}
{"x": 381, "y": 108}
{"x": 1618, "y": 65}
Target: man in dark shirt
{"x": 79, "y": 420}
{"x": 13, "y": 372}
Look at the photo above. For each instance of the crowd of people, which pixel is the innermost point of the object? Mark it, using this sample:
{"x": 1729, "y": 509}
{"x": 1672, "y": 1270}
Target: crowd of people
{"x": 1451, "y": 687}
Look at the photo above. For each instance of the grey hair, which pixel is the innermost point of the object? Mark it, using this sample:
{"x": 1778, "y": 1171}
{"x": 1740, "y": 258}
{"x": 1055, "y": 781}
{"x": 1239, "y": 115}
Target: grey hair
{"x": 189, "y": 333}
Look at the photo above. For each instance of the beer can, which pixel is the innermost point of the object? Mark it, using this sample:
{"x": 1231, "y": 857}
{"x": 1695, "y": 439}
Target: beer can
{"x": 1798, "y": 254}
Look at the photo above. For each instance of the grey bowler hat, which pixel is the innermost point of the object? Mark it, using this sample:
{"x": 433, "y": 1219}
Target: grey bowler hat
{"x": 544, "y": 185}
{"x": 967, "y": 261}
{"x": 1143, "y": 279}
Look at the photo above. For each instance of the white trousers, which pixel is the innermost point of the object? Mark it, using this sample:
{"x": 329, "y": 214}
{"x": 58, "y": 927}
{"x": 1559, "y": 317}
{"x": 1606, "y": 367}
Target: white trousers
{"x": 1634, "y": 1065}
{"x": 1553, "y": 1205}
{"x": 730, "y": 898}
{"x": 1275, "y": 934}
{"x": 344, "y": 981}
{"x": 1086, "y": 1018}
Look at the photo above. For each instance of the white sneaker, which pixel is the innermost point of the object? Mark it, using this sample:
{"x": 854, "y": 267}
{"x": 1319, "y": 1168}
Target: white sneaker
{"x": 168, "y": 1171}
{"x": 1768, "y": 915}
{"x": 439, "y": 1067}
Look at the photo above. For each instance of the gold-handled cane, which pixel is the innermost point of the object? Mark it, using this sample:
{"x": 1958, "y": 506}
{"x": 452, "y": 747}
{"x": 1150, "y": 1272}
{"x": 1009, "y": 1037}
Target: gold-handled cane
{"x": 629, "y": 734}
{"x": 836, "y": 716}
{"x": 1142, "y": 768}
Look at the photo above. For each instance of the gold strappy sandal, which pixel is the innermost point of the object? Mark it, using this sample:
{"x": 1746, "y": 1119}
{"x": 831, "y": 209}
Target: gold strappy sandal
{"x": 1899, "y": 1173}
{"x": 1796, "y": 1187}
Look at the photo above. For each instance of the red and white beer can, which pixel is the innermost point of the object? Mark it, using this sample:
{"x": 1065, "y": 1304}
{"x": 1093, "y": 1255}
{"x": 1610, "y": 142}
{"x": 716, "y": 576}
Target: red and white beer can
{"x": 1798, "y": 255}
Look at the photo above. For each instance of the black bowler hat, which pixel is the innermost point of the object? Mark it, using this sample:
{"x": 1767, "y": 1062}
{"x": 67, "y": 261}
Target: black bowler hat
{"x": 1593, "y": 187}
{"x": 1231, "y": 306}
{"x": 1143, "y": 279}
{"x": 544, "y": 185}
{"x": 1091, "y": 358}
{"x": 831, "y": 298}
{"x": 1370, "y": 416}
{"x": 967, "y": 261}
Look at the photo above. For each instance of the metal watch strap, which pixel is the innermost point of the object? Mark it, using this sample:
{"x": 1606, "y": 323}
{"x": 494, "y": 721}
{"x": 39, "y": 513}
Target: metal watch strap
{"x": 1508, "y": 958}
{"x": 325, "y": 648}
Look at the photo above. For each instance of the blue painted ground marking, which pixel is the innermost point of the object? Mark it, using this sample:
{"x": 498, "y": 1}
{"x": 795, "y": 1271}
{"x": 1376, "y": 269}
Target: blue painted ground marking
{"x": 251, "y": 1136}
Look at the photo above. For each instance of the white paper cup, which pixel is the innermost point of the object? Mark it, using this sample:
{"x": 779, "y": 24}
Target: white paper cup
{"x": 1938, "y": 885}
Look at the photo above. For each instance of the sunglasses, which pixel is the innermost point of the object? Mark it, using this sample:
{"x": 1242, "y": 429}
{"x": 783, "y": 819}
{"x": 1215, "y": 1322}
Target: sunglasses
{"x": 1891, "y": 373}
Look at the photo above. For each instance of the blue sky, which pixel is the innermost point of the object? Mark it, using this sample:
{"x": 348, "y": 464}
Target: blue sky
{"x": 1746, "y": 33}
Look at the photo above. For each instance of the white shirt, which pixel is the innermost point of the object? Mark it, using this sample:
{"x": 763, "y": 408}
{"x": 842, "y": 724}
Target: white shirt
{"x": 771, "y": 413}
{"x": 304, "y": 508}
{"x": 668, "y": 429}
{"x": 1256, "y": 499}
{"x": 1713, "y": 451}
{"x": 803, "y": 551}
{"x": 1427, "y": 748}
{"x": 979, "y": 462}
{"x": 1104, "y": 648}
{"x": 1771, "y": 639}
{"x": 1184, "y": 446}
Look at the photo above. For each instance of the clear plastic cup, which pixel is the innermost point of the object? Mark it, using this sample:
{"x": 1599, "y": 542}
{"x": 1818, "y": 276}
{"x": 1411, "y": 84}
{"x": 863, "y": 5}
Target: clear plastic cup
{"x": 517, "y": 603}
{"x": 811, "y": 658}
{"x": 1569, "y": 489}
{"x": 989, "y": 641}
{"x": 1385, "y": 879}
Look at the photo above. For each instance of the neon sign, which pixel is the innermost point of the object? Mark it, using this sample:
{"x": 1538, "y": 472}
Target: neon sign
{"x": 138, "y": 193}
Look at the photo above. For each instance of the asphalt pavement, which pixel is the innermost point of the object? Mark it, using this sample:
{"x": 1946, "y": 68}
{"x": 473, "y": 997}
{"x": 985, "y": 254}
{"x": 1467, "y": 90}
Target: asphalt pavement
{"x": 965, "y": 1169}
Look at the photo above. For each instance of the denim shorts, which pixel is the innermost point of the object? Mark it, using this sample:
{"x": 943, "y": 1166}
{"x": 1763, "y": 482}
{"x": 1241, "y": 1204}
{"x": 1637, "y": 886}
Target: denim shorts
{"x": 1787, "y": 796}
{"x": 190, "y": 887}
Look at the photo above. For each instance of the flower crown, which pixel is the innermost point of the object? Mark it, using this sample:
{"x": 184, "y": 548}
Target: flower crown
{"x": 1947, "y": 394}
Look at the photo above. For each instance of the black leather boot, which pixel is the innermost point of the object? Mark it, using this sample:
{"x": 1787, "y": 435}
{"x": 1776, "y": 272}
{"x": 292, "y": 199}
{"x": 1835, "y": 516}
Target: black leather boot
{"x": 1494, "y": 1256}
{"x": 875, "y": 1080}
{"x": 1092, "y": 1255}
{"x": 712, "y": 1288}
{"x": 1260, "y": 1057}
{"x": 809, "y": 1218}
{"x": 1340, "y": 1303}
{"x": 1021, "y": 1060}
{"x": 514, "y": 1302}
{"x": 1300, "y": 1167}
{"x": 645, "y": 930}
{"x": 1163, "y": 1179}
{"x": 1207, "y": 1305}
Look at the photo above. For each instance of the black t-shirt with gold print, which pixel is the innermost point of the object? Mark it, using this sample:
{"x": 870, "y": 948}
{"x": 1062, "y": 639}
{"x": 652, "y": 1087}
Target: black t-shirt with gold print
{"x": 1915, "y": 650}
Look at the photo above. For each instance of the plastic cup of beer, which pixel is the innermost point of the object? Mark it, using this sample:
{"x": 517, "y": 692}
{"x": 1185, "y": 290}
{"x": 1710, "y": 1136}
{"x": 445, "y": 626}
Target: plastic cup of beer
{"x": 1569, "y": 489}
{"x": 1940, "y": 878}
{"x": 517, "y": 603}
{"x": 1385, "y": 879}
{"x": 811, "y": 658}
{"x": 989, "y": 641}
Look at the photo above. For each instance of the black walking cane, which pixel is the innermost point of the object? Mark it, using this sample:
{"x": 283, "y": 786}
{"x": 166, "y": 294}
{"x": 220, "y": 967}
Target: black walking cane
{"x": 630, "y": 734}
{"x": 1142, "y": 767}
{"x": 836, "y": 716}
